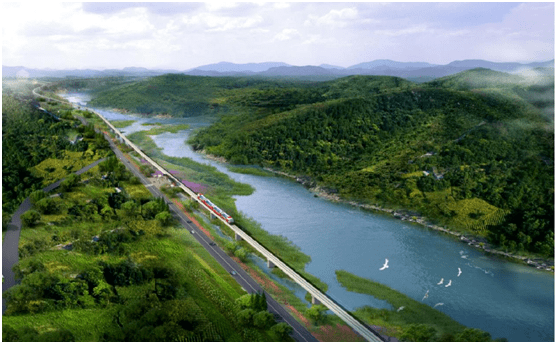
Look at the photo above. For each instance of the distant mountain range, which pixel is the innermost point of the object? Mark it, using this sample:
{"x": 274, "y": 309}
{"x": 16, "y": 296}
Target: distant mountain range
{"x": 417, "y": 71}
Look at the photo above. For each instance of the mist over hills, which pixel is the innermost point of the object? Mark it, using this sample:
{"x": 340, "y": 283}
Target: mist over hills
{"x": 416, "y": 71}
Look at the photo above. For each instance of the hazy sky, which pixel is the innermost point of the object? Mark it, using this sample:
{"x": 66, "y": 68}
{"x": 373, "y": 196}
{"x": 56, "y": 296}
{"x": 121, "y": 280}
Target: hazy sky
{"x": 180, "y": 35}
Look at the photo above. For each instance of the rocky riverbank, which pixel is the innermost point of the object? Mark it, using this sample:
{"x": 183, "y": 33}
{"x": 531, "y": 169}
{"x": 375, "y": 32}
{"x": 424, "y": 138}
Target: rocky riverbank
{"x": 477, "y": 242}
{"x": 404, "y": 215}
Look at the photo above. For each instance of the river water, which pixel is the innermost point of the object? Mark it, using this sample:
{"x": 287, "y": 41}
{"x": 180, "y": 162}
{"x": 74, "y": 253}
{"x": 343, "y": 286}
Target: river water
{"x": 505, "y": 299}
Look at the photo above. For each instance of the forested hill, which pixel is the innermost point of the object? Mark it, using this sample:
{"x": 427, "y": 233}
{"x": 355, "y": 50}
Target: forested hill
{"x": 477, "y": 158}
{"x": 473, "y": 150}
{"x": 536, "y": 86}
{"x": 181, "y": 95}
{"x": 185, "y": 96}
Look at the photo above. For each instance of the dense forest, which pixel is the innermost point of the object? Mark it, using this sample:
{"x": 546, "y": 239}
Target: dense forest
{"x": 473, "y": 151}
{"x": 32, "y": 138}
{"x": 478, "y": 158}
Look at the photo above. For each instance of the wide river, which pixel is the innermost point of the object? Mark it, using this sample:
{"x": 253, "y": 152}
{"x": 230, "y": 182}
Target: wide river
{"x": 505, "y": 299}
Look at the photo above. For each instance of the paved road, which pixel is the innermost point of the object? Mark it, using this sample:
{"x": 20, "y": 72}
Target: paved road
{"x": 10, "y": 254}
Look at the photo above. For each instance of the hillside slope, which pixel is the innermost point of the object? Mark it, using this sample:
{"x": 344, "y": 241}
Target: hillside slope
{"x": 477, "y": 159}
{"x": 473, "y": 151}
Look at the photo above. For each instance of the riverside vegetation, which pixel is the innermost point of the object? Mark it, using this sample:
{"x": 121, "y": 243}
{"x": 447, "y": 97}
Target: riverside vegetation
{"x": 104, "y": 264}
{"x": 472, "y": 151}
{"x": 389, "y": 88}
{"x": 234, "y": 101}
{"x": 409, "y": 320}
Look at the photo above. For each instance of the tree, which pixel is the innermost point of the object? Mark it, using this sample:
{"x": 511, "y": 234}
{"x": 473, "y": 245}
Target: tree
{"x": 164, "y": 218}
{"x": 9, "y": 334}
{"x": 316, "y": 313}
{"x": 259, "y": 301}
{"x": 473, "y": 335}
{"x": 130, "y": 208}
{"x": 30, "y": 218}
{"x": 47, "y": 206}
{"x": 70, "y": 182}
{"x": 282, "y": 330}
{"x": 244, "y": 301}
{"x": 230, "y": 247}
{"x": 36, "y": 196}
{"x": 418, "y": 333}
{"x": 263, "y": 320}
{"x": 60, "y": 335}
{"x": 245, "y": 317}
{"x": 242, "y": 254}
{"x": 152, "y": 208}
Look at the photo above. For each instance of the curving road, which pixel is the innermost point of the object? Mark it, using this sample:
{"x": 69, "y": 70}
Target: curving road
{"x": 10, "y": 244}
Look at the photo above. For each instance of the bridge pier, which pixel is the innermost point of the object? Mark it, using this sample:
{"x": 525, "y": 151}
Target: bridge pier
{"x": 270, "y": 264}
{"x": 315, "y": 301}
{"x": 237, "y": 237}
{"x": 212, "y": 216}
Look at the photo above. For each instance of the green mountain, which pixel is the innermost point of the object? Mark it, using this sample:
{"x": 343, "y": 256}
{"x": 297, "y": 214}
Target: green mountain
{"x": 478, "y": 158}
{"x": 535, "y": 86}
{"x": 180, "y": 95}
{"x": 473, "y": 151}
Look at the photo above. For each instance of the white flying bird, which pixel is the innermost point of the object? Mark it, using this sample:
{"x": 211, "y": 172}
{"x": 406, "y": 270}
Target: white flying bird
{"x": 400, "y": 308}
{"x": 426, "y": 295}
{"x": 385, "y": 265}
{"x": 438, "y": 304}
{"x": 441, "y": 281}
{"x": 459, "y": 272}
{"x": 449, "y": 284}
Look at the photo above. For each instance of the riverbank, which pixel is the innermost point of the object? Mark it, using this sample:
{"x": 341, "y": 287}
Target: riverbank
{"x": 479, "y": 243}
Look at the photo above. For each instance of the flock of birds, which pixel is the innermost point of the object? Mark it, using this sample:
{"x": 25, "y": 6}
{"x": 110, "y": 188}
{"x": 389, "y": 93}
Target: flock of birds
{"x": 386, "y": 266}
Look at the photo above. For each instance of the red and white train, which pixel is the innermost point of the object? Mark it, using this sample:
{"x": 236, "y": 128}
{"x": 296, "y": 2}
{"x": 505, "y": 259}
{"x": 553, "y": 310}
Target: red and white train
{"x": 215, "y": 209}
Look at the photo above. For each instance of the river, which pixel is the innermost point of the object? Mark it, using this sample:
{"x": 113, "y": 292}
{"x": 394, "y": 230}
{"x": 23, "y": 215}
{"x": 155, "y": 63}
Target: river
{"x": 507, "y": 300}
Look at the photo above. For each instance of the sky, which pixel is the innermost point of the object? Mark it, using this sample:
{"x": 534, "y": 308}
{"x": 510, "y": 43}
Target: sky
{"x": 184, "y": 35}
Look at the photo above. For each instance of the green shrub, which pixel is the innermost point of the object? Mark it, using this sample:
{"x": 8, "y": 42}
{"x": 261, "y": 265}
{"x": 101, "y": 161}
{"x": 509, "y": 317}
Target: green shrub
{"x": 418, "y": 333}
{"x": 245, "y": 317}
{"x": 282, "y": 331}
{"x": 263, "y": 320}
{"x": 242, "y": 254}
{"x": 36, "y": 196}
{"x": 30, "y": 218}
{"x": 164, "y": 218}
{"x": 316, "y": 313}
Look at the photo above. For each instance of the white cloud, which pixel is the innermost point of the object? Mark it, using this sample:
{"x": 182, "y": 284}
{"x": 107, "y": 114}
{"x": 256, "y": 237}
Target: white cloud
{"x": 215, "y": 23}
{"x": 420, "y": 29}
{"x": 286, "y": 34}
{"x": 319, "y": 39}
{"x": 184, "y": 35}
{"x": 281, "y": 5}
{"x": 220, "y": 5}
{"x": 335, "y": 18}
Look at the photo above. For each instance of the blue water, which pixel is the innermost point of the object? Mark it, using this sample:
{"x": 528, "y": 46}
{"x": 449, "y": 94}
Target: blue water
{"x": 506, "y": 299}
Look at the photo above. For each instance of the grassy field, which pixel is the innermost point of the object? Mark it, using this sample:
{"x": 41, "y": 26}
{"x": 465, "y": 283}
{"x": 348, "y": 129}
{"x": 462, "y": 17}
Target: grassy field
{"x": 250, "y": 170}
{"x": 122, "y": 124}
{"x": 414, "y": 312}
{"x": 53, "y": 170}
{"x": 85, "y": 324}
{"x": 167, "y": 128}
